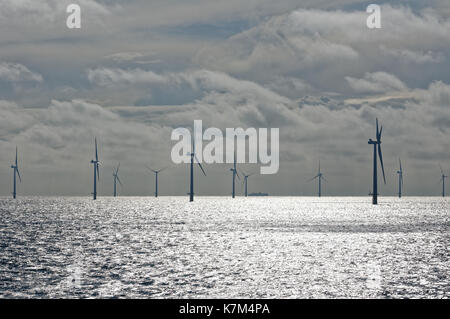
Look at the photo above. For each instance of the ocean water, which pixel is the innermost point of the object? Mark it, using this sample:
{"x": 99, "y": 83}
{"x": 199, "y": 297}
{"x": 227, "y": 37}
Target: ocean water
{"x": 216, "y": 247}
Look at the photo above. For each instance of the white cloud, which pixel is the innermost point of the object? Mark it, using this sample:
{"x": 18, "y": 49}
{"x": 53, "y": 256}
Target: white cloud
{"x": 14, "y": 72}
{"x": 378, "y": 82}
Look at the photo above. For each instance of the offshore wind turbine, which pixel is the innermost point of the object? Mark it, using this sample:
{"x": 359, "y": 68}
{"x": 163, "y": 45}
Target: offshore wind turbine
{"x": 193, "y": 156}
{"x": 400, "y": 179}
{"x": 156, "y": 177}
{"x": 235, "y": 173}
{"x": 320, "y": 177}
{"x": 443, "y": 177}
{"x": 376, "y": 149}
{"x": 116, "y": 179}
{"x": 15, "y": 167}
{"x": 96, "y": 165}
{"x": 246, "y": 181}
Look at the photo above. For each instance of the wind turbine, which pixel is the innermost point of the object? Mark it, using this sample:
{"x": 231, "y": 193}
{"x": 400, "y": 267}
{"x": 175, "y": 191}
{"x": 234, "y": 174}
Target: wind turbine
{"x": 116, "y": 179}
{"x": 400, "y": 179}
{"x": 235, "y": 173}
{"x": 193, "y": 156}
{"x": 376, "y": 145}
{"x": 156, "y": 175}
{"x": 246, "y": 181}
{"x": 443, "y": 181}
{"x": 320, "y": 176}
{"x": 16, "y": 173}
{"x": 96, "y": 165}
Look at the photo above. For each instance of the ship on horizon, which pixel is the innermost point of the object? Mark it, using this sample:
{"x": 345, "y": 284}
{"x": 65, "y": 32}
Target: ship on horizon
{"x": 258, "y": 194}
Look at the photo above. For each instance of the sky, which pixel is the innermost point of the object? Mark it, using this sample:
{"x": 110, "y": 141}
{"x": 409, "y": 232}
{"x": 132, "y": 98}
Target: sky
{"x": 137, "y": 70}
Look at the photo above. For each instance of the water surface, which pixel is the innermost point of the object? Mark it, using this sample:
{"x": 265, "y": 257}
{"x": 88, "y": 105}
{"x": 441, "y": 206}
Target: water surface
{"x": 262, "y": 247}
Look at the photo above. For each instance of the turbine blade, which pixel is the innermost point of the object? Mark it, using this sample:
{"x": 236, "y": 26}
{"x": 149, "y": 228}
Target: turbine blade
{"x": 377, "y": 128}
{"x": 442, "y": 172}
{"x": 381, "y": 161}
{"x": 118, "y": 179}
{"x": 324, "y": 179}
{"x": 162, "y": 169}
{"x": 16, "y": 155}
{"x": 400, "y": 162}
{"x": 198, "y": 162}
{"x": 117, "y": 170}
{"x": 96, "y": 150}
{"x": 201, "y": 168}
{"x": 150, "y": 169}
{"x": 98, "y": 171}
{"x": 310, "y": 180}
{"x": 237, "y": 174}
{"x": 18, "y": 174}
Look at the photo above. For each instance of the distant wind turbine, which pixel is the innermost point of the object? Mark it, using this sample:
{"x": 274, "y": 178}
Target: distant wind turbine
{"x": 320, "y": 176}
{"x": 400, "y": 179}
{"x": 235, "y": 173}
{"x": 16, "y": 173}
{"x": 443, "y": 177}
{"x": 116, "y": 179}
{"x": 193, "y": 156}
{"x": 376, "y": 145}
{"x": 246, "y": 181}
{"x": 156, "y": 177}
{"x": 96, "y": 165}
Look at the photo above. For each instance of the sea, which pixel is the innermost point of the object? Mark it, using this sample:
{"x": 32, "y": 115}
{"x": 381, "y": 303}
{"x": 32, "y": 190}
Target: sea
{"x": 218, "y": 247}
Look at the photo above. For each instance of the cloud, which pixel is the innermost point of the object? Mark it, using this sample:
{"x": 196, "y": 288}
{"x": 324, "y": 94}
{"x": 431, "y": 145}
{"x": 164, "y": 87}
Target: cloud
{"x": 378, "y": 82}
{"x": 189, "y": 83}
{"x": 111, "y": 77}
{"x": 311, "y": 68}
{"x": 12, "y": 72}
{"x": 410, "y": 56}
{"x": 322, "y": 47}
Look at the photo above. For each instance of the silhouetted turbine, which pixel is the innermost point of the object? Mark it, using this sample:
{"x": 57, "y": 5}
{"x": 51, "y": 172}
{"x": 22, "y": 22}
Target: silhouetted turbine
{"x": 400, "y": 179}
{"x": 443, "y": 177}
{"x": 15, "y": 167}
{"x": 193, "y": 156}
{"x": 116, "y": 179}
{"x": 245, "y": 181}
{"x": 96, "y": 165}
{"x": 376, "y": 145}
{"x": 156, "y": 177}
{"x": 235, "y": 173}
{"x": 320, "y": 177}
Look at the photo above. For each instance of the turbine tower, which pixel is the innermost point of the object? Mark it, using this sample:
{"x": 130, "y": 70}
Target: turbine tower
{"x": 400, "y": 179}
{"x": 116, "y": 179}
{"x": 156, "y": 177}
{"x": 320, "y": 177}
{"x": 443, "y": 177}
{"x": 235, "y": 173}
{"x": 246, "y": 181}
{"x": 193, "y": 156}
{"x": 96, "y": 165}
{"x": 376, "y": 146}
{"x": 15, "y": 167}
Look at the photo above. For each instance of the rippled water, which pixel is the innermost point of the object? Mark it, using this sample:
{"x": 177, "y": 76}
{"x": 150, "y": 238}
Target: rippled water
{"x": 275, "y": 247}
